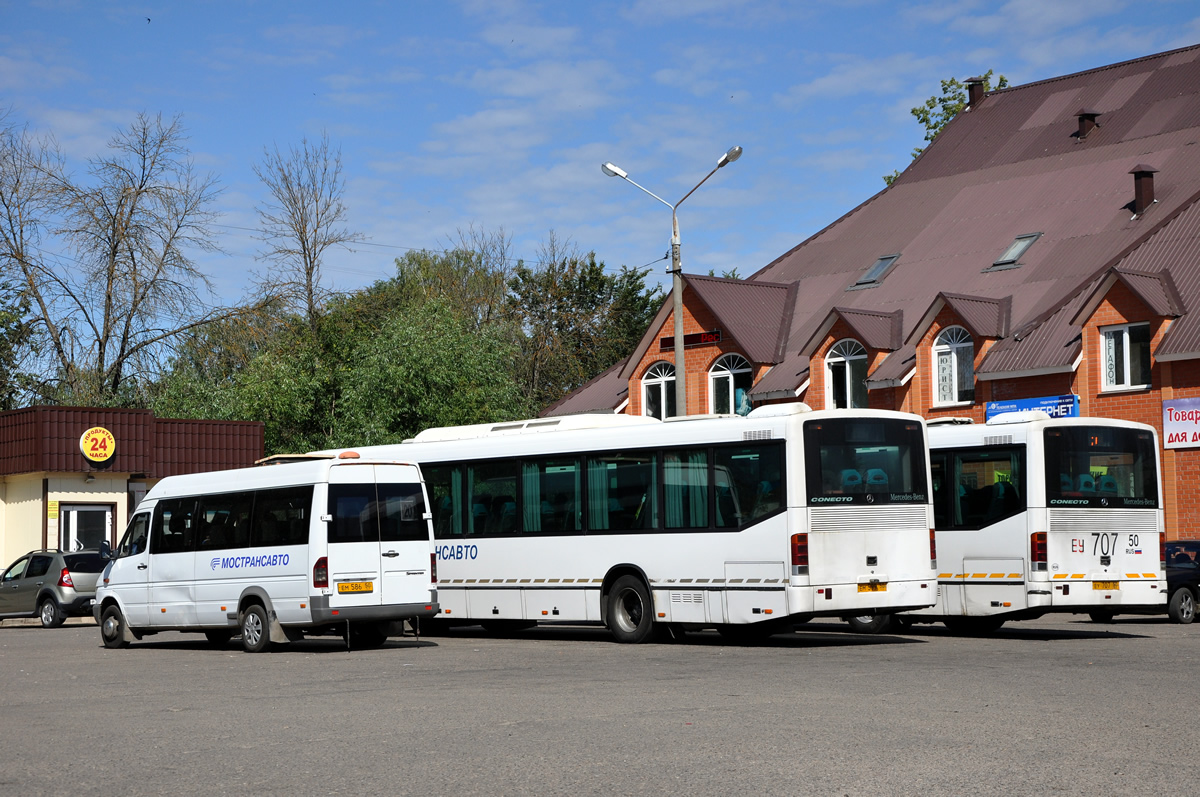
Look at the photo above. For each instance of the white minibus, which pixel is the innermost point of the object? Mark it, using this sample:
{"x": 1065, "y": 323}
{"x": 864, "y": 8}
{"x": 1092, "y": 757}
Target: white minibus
{"x": 747, "y": 524}
{"x": 1037, "y": 514}
{"x": 273, "y": 552}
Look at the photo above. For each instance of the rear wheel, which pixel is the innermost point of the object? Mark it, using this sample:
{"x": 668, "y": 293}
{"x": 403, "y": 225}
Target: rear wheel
{"x": 51, "y": 616}
{"x": 256, "y": 631}
{"x": 112, "y": 628}
{"x": 218, "y": 637}
{"x": 1182, "y": 608}
{"x": 870, "y": 623}
{"x": 1101, "y": 616}
{"x": 630, "y": 613}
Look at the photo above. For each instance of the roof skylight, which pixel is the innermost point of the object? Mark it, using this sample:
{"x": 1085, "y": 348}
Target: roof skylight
{"x": 1015, "y": 251}
{"x": 874, "y": 275}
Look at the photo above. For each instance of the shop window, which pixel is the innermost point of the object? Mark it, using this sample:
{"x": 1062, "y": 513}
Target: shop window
{"x": 1126, "y": 352}
{"x": 954, "y": 363}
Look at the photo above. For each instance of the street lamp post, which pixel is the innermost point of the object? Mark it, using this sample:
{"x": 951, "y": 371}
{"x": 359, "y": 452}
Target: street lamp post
{"x": 613, "y": 170}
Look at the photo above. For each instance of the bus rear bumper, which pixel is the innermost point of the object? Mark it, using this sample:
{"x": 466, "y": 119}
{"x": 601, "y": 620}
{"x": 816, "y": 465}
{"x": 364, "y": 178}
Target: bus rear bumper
{"x": 323, "y": 614}
{"x": 1129, "y": 596}
{"x": 853, "y": 600}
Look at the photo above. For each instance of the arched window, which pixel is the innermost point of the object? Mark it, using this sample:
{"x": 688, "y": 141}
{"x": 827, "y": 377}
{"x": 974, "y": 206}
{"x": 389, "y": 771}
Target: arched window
{"x": 846, "y": 375}
{"x": 729, "y": 382}
{"x": 658, "y": 391}
{"x": 954, "y": 361}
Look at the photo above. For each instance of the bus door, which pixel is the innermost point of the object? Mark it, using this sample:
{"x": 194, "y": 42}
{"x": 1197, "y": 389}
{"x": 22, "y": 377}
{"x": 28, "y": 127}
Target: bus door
{"x": 171, "y": 591}
{"x": 404, "y": 535}
{"x": 128, "y": 573}
{"x": 355, "y": 563}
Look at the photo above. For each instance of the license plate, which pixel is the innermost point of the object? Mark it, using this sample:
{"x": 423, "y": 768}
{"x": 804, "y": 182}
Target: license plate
{"x": 355, "y": 586}
{"x": 1106, "y": 585}
{"x": 873, "y": 587}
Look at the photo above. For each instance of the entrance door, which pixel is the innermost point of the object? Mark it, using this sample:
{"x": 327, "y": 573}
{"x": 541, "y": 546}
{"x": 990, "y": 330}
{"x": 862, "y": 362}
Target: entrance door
{"x": 84, "y": 526}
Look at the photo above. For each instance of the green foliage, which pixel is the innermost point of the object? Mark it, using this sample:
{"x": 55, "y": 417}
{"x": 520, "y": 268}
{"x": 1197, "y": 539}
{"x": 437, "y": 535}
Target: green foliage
{"x": 937, "y": 111}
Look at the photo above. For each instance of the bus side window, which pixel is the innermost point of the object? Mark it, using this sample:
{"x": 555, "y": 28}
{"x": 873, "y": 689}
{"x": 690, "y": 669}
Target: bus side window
{"x": 174, "y": 526}
{"x": 444, "y": 484}
{"x": 941, "y": 495}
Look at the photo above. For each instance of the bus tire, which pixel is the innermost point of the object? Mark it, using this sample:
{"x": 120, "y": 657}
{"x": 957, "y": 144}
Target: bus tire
{"x": 1102, "y": 616}
{"x": 256, "y": 629}
{"x": 630, "y": 612}
{"x": 112, "y": 628}
{"x": 1182, "y": 608}
{"x": 870, "y": 623}
{"x": 218, "y": 637}
{"x": 368, "y": 635}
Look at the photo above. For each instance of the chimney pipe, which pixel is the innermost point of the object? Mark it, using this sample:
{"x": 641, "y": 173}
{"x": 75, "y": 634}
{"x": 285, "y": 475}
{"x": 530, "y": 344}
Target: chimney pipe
{"x": 1143, "y": 187}
{"x": 975, "y": 91}
{"x": 1087, "y": 121}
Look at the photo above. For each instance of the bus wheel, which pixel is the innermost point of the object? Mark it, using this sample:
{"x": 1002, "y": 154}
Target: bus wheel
{"x": 1101, "y": 616}
{"x": 1182, "y": 608}
{"x": 112, "y": 628}
{"x": 974, "y": 626}
{"x": 630, "y": 613}
{"x": 870, "y": 623}
{"x": 218, "y": 637}
{"x": 256, "y": 631}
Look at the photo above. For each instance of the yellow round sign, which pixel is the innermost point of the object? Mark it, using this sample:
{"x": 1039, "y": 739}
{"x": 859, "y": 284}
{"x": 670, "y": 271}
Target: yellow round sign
{"x": 98, "y": 444}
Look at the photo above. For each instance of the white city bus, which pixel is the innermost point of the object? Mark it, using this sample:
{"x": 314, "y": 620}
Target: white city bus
{"x": 1037, "y": 514}
{"x": 748, "y": 524}
{"x": 341, "y": 545}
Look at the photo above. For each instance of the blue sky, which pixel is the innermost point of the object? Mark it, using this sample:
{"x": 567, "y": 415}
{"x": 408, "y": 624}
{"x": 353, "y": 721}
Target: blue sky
{"x": 498, "y": 114}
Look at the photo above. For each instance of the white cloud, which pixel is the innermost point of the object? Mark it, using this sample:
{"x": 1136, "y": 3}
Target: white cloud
{"x": 532, "y": 41}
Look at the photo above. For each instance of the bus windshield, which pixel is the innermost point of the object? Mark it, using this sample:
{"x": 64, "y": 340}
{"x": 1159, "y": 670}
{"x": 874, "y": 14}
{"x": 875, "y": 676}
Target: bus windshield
{"x": 865, "y": 461}
{"x": 1101, "y": 466}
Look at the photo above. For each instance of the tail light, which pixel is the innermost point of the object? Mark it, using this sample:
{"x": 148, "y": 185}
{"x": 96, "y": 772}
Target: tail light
{"x": 433, "y": 567}
{"x": 1162, "y": 551}
{"x": 1037, "y": 550}
{"x": 321, "y": 573}
{"x": 65, "y": 579}
{"x": 799, "y": 554}
{"x": 932, "y": 549}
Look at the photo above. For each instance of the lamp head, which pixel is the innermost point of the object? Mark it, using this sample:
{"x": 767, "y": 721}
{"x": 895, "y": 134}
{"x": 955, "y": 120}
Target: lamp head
{"x": 613, "y": 170}
{"x": 730, "y": 156}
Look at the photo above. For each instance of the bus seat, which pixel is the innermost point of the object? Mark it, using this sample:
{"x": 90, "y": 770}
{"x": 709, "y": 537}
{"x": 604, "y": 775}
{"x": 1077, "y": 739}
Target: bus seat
{"x": 1087, "y": 484}
{"x": 877, "y": 477}
{"x": 851, "y": 480}
{"x": 1065, "y": 484}
{"x": 1107, "y": 484}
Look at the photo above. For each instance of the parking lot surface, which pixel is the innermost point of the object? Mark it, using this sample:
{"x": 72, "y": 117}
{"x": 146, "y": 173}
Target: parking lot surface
{"x": 1052, "y": 706}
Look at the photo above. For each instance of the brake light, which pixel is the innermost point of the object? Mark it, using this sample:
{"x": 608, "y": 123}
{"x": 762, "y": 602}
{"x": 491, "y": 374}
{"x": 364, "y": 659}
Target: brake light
{"x": 65, "y": 579}
{"x": 1162, "y": 551}
{"x": 433, "y": 567}
{"x": 321, "y": 573}
{"x": 1037, "y": 550}
{"x": 799, "y": 554}
{"x": 932, "y": 549}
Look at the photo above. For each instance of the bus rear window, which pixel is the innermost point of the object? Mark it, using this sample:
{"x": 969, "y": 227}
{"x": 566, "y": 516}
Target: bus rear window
{"x": 865, "y": 461}
{"x": 1101, "y": 466}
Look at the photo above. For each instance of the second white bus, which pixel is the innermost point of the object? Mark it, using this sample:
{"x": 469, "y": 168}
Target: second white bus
{"x": 1037, "y": 515}
{"x": 748, "y": 524}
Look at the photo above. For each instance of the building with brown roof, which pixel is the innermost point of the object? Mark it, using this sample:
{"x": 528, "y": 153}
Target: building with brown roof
{"x": 1046, "y": 243}
{"x": 70, "y": 476}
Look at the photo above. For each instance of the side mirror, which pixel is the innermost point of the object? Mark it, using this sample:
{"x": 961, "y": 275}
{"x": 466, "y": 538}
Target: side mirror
{"x": 105, "y": 550}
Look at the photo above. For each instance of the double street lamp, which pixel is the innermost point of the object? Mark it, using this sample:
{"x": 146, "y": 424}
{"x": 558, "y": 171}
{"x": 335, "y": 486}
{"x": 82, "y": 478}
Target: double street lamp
{"x": 613, "y": 170}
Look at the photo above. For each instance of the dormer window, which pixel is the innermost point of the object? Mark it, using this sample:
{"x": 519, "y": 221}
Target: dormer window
{"x": 874, "y": 275}
{"x": 1015, "y": 251}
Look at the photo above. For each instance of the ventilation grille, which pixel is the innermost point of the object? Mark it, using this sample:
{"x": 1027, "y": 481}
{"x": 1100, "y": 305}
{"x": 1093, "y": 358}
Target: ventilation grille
{"x": 687, "y": 597}
{"x": 1085, "y": 521}
{"x": 997, "y": 440}
{"x": 879, "y": 518}
{"x": 757, "y": 434}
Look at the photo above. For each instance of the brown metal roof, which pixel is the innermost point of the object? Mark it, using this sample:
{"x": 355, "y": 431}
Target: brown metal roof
{"x": 46, "y": 439}
{"x": 755, "y": 314}
{"x": 604, "y": 393}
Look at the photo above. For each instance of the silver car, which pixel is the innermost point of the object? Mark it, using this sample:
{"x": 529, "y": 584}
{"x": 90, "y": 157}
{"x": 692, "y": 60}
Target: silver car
{"x": 51, "y": 585}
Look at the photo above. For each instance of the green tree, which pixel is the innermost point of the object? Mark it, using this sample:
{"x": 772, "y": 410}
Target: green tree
{"x": 937, "y": 111}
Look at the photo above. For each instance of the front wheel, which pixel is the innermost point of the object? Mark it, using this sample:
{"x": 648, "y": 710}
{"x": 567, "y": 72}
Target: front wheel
{"x": 50, "y": 614}
{"x": 256, "y": 631}
{"x": 870, "y": 623}
{"x": 112, "y": 628}
{"x": 630, "y": 613}
{"x": 1182, "y": 608}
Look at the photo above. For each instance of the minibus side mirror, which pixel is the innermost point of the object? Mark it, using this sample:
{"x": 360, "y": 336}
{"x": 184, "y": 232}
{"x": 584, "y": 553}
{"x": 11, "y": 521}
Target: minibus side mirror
{"x": 105, "y": 550}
